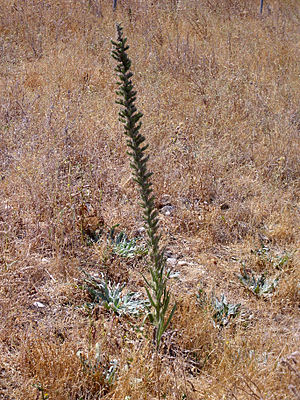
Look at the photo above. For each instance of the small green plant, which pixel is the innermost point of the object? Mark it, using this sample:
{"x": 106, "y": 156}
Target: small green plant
{"x": 99, "y": 365}
{"x": 260, "y": 286}
{"x": 222, "y": 311}
{"x": 40, "y": 388}
{"x": 266, "y": 258}
{"x": 123, "y": 246}
{"x": 156, "y": 287}
{"x": 112, "y": 298}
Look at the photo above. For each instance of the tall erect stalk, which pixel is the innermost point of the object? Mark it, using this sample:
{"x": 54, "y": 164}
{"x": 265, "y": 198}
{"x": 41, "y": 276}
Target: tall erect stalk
{"x": 156, "y": 287}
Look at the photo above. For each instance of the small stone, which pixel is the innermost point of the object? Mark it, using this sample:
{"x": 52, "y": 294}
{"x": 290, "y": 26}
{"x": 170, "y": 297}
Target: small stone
{"x": 224, "y": 206}
{"x": 169, "y": 254}
{"x": 141, "y": 230}
{"x": 182, "y": 263}
{"x": 165, "y": 200}
{"x": 171, "y": 261}
{"x": 167, "y": 210}
{"x": 38, "y": 304}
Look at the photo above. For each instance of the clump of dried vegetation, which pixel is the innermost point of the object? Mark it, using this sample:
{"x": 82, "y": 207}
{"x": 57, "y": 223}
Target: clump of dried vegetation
{"x": 218, "y": 86}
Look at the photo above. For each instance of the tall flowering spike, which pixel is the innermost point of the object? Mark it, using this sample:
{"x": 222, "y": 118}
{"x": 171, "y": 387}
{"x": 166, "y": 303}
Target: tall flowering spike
{"x": 157, "y": 292}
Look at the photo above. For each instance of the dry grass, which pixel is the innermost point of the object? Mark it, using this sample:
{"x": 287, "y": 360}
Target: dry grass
{"x": 219, "y": 88}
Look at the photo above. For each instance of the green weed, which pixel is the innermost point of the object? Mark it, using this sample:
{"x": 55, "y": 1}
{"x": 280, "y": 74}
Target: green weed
{"x": 156, "y": 286}
{"x": 112, "y": 298}
{"x": 222, "y": 311}
{"x": 123, "y": 246}
{"x": 267, "y": 258}
{"x": 260, "y": 286}
{"x": 99, "y": 365}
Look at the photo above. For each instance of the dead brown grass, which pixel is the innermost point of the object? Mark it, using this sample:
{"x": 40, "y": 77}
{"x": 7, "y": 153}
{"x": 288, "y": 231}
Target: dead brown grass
{"x": 218, "y": 85}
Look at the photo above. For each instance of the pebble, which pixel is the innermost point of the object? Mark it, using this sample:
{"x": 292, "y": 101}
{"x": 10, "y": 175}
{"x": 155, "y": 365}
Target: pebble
{"x": 224, "y": 206}
{"x": 183, "y": 263}
{"x": 167, "y": 210}
{"x": 171, "y": 262}
{"x": 141, "y": 230}
{"x": 38, "y": 304}
{"x": 165, "y": 200}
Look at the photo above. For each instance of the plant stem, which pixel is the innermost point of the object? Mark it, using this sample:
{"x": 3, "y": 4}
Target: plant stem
{"x": 156, "y": 288}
